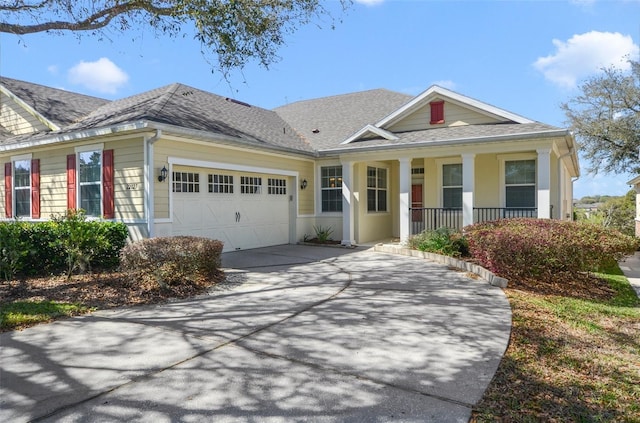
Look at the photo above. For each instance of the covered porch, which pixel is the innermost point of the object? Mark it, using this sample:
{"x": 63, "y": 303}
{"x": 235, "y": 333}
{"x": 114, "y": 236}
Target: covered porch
{"x": 427, "y": 193}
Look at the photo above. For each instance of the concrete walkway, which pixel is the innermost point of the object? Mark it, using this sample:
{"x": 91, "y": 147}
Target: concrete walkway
{"x": 296, "y": 334}
{"x": 631, "y": 269}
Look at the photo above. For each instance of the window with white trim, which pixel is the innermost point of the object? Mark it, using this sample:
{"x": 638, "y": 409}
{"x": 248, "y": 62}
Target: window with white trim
{"x": 452, "y": 186}
{"x": 186, "y": 182}
{"x": 90, "y": 182}
{"x": 520, "y": 183}
{"x": 221, "y": 184}
{"x": 22, "y": 187}
{"x": 250, "y": 185}
{"x": 331, "y": 187}
{"x": 376, "y": 189}
{"x": 276, "y": 186}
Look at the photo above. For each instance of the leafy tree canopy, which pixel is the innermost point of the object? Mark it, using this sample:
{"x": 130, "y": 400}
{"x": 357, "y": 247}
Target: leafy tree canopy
{"x": 605, "y": 117}
{"x": 234, "y": 31}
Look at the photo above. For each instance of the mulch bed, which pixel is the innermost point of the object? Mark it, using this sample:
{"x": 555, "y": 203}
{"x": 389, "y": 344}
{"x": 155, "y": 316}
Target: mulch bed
{"x": 101, "y": 290}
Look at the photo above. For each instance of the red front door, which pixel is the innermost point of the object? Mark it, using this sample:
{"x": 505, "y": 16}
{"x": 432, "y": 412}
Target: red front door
{"x": 416, "y": 202}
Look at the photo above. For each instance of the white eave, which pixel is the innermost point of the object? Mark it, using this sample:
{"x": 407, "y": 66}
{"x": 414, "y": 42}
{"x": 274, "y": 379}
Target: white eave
{"x": 634, "y": 181}
{"x": 440, "y": 92}
{"x": 370, "y": 129}
{"x": 30, "y": 110}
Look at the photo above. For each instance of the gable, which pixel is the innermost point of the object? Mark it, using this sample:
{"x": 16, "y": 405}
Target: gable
{"x": 16, "y": 119}
{"x": 454, "y": 115}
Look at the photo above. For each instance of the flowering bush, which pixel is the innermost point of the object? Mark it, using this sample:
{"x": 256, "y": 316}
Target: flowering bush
{"x": 171, "y": 260}
{"x": 516, "y": 248}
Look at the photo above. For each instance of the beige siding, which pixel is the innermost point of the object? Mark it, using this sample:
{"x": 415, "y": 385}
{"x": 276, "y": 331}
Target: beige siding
{"x": 15, "y": 119}
{"x": 128, "y": 178}
{"x": 163, "y": 149}
{"x": 454, "y": 115}
{"x": 373, "y": 226}
{"x": 487, "y": 181}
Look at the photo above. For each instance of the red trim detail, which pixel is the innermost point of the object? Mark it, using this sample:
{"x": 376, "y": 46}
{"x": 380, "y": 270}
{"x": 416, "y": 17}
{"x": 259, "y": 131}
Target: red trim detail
{"x": 71, "y": 181}
{"x": 35, "y": 189}
{"x": 437, "y": 112}
{"x": 8, "y": 197}
{"x": 108, "y": 206}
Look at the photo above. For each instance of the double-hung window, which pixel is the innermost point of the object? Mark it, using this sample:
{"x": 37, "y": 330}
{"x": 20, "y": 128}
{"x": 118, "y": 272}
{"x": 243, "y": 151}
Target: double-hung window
{"x": 22, "y": 187}
{"x": 376, "y": 189}
{"x": 331, "y": 184}
{"x": 520, "y": 183}
{"x": 90, "y": 181}
{"x": 452, "y": 186}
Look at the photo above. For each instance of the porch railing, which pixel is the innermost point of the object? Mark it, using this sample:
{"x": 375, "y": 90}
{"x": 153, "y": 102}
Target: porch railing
{"x": 434, "y": 218}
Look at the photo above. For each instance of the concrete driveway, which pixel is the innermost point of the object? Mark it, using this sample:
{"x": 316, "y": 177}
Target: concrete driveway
{"x": 296, "y": 334}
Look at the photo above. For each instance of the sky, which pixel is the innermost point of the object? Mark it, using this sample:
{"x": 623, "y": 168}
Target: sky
{"x": 527, "y": 57}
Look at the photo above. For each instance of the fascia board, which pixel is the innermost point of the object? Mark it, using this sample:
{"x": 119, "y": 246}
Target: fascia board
{"x": 30, "y": 110}
{"x": 370, "y": 128}
{"x": 460, "y": 99}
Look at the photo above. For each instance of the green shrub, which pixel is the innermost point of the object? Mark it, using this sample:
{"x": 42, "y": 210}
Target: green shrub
{"x": 172, "y": 260}
{"x": 516, "y": 248}
{"x": 323, "y": 234}
{"x": 443, "y": 241}
{"x": 67, "y": 242}
{"x": 13, "y": 249}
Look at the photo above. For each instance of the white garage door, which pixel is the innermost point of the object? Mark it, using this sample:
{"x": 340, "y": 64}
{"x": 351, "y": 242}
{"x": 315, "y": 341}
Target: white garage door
{"x": 242, "y": 209}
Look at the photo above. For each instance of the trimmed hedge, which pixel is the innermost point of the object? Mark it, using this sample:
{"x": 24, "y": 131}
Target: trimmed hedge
{"x": 172, "y": 260}
{"x": 517, "y": 248}
{"x": 41, "y": 248}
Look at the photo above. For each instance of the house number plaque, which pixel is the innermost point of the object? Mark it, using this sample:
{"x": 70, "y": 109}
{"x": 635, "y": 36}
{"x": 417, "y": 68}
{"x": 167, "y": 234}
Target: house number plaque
{"x": 132, "y": 187}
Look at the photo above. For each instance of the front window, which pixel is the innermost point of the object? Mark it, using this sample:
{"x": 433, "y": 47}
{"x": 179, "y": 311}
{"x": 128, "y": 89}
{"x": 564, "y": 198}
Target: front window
{"x": 90, "y": 170}
{"x": 186, "y": 182}
{"x": 376, "y": 189}
{"x": 331, "y": 184}
{"x": 520, "y": 183}
{"x": 22, "y": 187}
{"x": 452, "y": 186}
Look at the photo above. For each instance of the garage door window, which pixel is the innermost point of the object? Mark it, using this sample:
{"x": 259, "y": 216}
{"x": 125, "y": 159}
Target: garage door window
{"x": 277, "y": 186}
{"x": 186, "y": 182}
{"x": 221, "y": 184}
{"x": 250, "y": 185}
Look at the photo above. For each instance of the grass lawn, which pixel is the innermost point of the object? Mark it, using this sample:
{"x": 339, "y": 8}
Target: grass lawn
{"x": 574, "y": 356}
{"x": 19, "y": 314}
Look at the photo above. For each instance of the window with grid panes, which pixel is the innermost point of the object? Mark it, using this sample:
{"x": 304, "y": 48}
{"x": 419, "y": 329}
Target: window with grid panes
{"x": 186, "y": 182}
{"x": 22, "y": 187}
{"x": 276, "y": 186}
{"x": 222, "y": 184}
{"x": 331, "y": 188}
{"x": 452, "y": 186}
{"x": 376, "y": 189}
{"x": 90, "y": 181}
{"x": 250, "y": 185}
{"x": 520, "y": 183}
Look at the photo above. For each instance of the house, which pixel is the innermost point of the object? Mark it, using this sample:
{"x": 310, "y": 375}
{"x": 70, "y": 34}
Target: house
{"x": 370, "y": 165}
{"x": 635, "y": 183}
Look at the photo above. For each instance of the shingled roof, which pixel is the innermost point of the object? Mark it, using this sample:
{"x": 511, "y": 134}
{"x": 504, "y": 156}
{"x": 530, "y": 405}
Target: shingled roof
{"x": 326, "y": 122}
{"x": 59, "y": 106}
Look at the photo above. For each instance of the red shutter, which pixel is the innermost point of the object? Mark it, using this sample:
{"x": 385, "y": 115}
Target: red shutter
{"x": 8, "y": 198}
{"x": 71, "y": 181}
{"x": 108, "y": 206}
{"x": 437, "y": 112}
{"x": 35, "y": 189}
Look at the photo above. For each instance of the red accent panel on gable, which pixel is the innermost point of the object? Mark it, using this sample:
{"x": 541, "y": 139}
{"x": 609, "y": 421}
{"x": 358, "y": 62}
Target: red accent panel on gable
{"x": 8, "y": 197}
{"x": 71, "y": 181}
{"x": 108, "y": 204}
{"x": 437, "y": 112}
{"x": 35, "y": 189}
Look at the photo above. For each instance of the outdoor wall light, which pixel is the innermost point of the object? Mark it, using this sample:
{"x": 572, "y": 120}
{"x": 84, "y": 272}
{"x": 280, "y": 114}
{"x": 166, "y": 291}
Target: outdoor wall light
{"x": 303, "y": 185}
{"x": 163, "y": 174}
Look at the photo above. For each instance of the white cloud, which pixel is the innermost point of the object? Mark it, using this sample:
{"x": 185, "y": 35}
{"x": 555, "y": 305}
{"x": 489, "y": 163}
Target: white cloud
{"x": 585, "y": 54}
{"x": 102, "y": 75}
{"x": 369, "y": 2}
{"x": 53, "y": 69}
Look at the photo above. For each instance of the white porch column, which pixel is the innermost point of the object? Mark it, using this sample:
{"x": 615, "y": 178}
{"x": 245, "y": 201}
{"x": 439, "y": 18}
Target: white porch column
{"x": 543, "y": 173}
{"x": 405, "y": 192}
{"x": 348, "y": 233}
{"x": 468, "y": 178}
